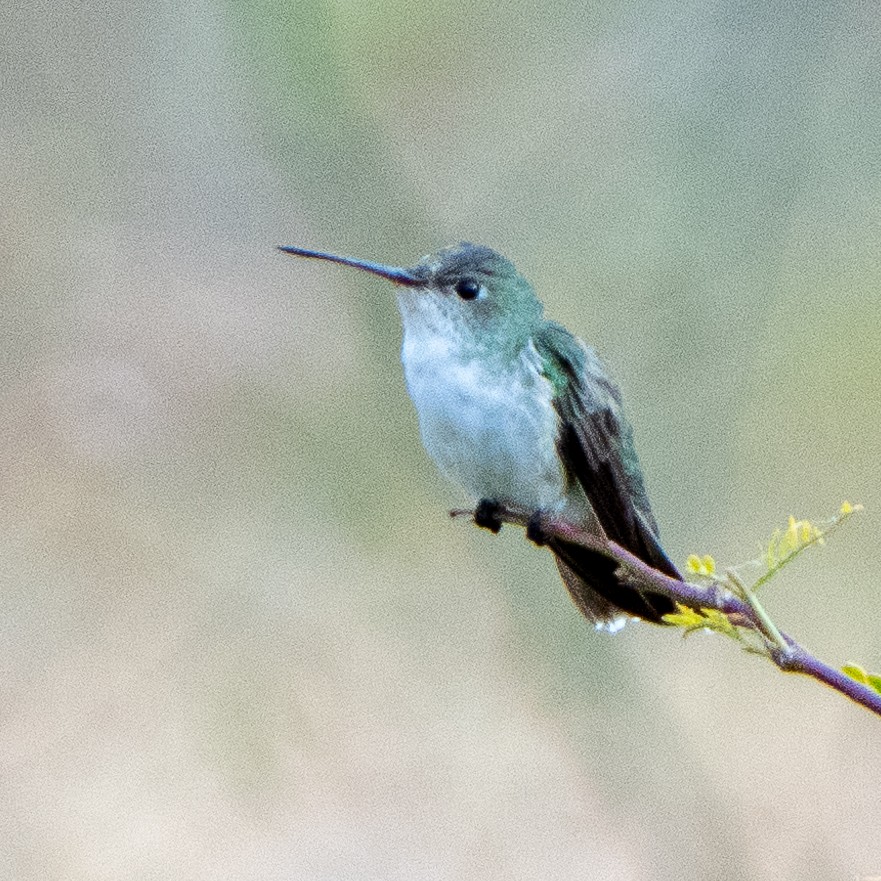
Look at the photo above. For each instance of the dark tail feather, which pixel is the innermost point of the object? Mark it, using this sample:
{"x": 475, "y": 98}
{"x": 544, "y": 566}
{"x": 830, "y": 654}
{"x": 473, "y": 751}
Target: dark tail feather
{"x": 600, "y": 612}
{"x": 597, "y": 591}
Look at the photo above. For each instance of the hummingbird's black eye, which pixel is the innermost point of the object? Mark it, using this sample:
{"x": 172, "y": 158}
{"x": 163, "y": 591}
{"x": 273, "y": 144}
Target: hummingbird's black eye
{"x": 467, "y": 288}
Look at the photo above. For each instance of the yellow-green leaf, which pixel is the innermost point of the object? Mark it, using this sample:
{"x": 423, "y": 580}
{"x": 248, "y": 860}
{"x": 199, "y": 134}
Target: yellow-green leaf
{"x": 855, "y": 671}
{"x": 693, "y": 563}
{"x": 685, "y": 617}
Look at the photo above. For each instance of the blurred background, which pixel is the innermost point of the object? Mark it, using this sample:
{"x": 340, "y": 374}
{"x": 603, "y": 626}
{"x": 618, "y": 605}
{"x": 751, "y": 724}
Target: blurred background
{"x": 240, "y": 635}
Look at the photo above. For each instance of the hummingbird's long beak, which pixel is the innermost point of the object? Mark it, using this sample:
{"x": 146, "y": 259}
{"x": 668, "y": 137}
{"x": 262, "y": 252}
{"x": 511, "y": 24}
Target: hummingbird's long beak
{"x": 394, "y": 274}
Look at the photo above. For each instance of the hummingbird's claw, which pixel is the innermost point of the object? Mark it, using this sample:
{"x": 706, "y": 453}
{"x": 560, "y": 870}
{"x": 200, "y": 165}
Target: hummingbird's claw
{"x": 535, "y": 529}
{"x": 486, "y": 514}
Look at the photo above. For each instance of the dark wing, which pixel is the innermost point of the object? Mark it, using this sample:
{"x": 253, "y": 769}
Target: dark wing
{"x": 595, "y": 442}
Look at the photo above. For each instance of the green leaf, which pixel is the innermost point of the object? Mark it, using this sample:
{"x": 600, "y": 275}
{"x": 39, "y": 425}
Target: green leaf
{"x": 685, "y": 617}
{"x": 706, "y": 619}
{"x": 855, "y": 671}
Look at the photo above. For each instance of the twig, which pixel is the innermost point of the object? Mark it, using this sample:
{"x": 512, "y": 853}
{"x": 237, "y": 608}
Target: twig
{"x": 768, "y": 627}
{"x": 784, "y": 652}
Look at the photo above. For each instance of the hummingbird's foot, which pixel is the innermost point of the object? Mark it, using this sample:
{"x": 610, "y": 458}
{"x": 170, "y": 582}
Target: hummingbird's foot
{"x": 535, "y": 529}
{"x": 486, "y": 514}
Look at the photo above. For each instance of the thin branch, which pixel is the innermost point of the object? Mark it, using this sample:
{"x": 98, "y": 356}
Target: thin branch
{"x": 784, "y": 652}
{"x": 768, "y": 627}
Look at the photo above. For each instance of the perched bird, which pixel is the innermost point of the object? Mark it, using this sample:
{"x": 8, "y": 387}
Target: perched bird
{"x": 517, "y": 411}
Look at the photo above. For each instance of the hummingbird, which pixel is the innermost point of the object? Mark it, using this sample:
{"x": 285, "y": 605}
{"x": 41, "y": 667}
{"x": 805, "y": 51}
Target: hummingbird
{"x": 517, "y": 411}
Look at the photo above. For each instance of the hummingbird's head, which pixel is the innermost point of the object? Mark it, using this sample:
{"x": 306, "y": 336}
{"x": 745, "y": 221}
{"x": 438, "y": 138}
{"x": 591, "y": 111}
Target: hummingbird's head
{"x": 473, "y": 294}
{"x": 465, "y": 293}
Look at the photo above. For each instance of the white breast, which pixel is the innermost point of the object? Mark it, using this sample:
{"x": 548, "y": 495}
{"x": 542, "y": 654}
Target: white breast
{"x": 491, "y": 429}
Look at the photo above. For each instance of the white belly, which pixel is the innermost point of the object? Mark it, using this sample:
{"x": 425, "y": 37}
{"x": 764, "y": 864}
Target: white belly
{"x": 491, "y": 431}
